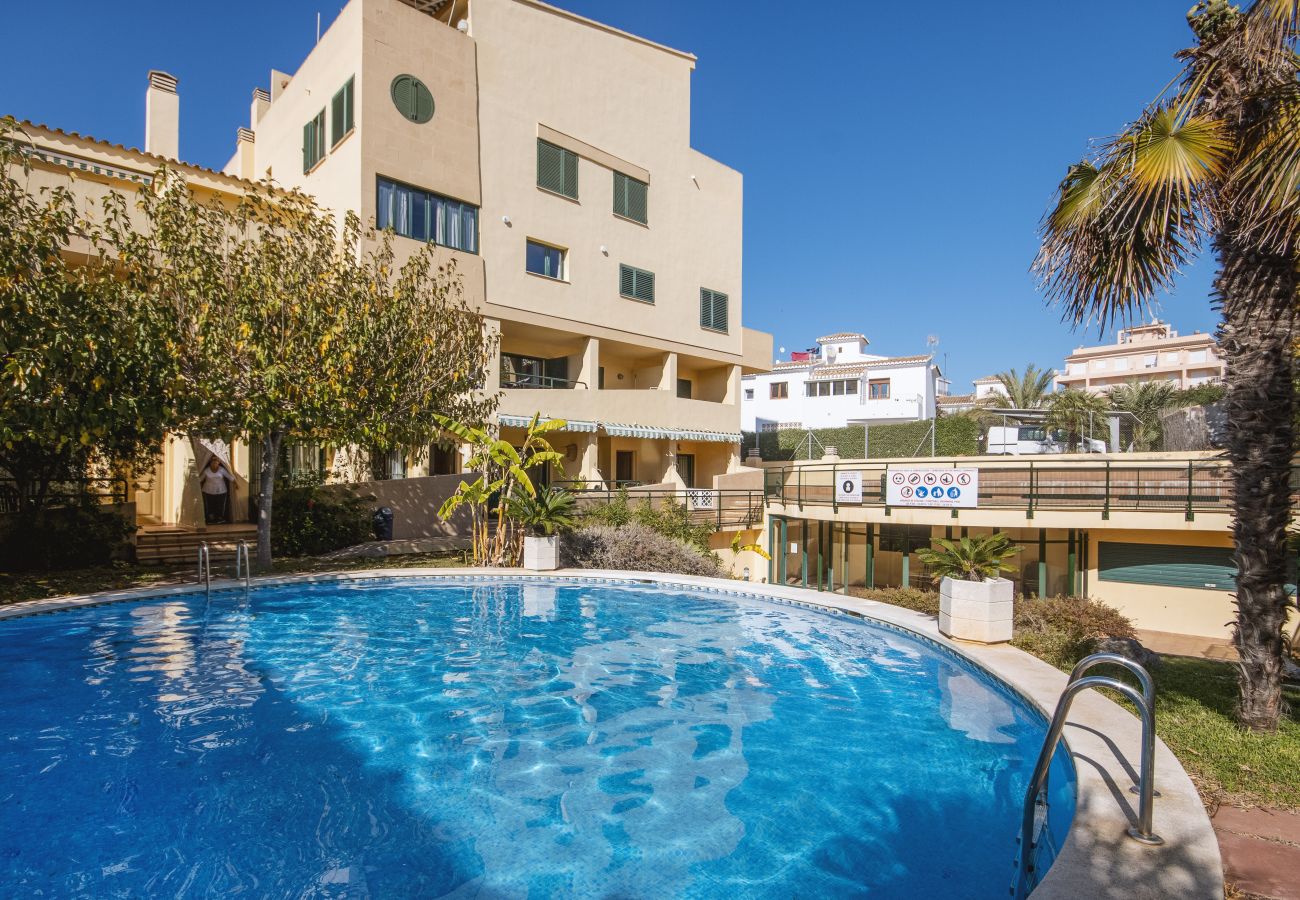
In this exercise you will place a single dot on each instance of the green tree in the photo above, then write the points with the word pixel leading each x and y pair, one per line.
pixel 293 327
pixel 1029 390
pixel 1216 156
pixel 969 559
pixel 1081 415
pixel 1145 401
pixel 87 373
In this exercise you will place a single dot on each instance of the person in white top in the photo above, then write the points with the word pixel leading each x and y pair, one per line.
pixel 214 480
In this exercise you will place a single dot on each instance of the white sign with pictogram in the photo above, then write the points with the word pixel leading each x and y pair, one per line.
pixel 947 488
pixel 848 487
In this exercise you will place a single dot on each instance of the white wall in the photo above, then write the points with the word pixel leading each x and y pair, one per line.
pixel 911 390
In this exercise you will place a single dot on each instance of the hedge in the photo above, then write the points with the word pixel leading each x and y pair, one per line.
pixel 954 436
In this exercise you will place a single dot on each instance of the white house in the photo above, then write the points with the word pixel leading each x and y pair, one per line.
pixel 839 384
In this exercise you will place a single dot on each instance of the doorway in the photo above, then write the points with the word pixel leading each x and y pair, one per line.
pixel 624 466
pixel 686 468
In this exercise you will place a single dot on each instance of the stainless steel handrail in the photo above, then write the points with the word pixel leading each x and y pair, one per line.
pixel 243 566
pixel 205 568
pixel 1036 795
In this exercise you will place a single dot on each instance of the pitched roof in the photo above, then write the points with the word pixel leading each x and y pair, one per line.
pixel 954 399
pixel 843 336
pixel 987 379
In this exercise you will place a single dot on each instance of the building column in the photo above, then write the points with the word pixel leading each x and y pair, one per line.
pixel 589 370
pixel 732 395
pixel 493 383
pixel 668 378
pixel 589 461
pixel 670 474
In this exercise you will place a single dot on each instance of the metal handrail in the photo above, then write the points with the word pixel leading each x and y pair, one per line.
pixel 1036 795
pixel 205 568
pixel 243 566
pixel 542 382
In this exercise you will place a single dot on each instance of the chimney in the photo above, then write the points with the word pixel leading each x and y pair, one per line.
pixel 261 103
pixel 244 141
pixel 162 116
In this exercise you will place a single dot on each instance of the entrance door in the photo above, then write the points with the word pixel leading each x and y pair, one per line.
pixel 686 468
pixel 624 465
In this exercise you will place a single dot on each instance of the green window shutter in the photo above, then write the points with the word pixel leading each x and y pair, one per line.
pixel 308 145
pixel 557 169
pixel 341 113
pixel 637 284
pixel 1167 565
pixel 713 310
pixel 630 198
pixel 412 98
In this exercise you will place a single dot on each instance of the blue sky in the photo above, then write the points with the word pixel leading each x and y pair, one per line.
pixel 897 156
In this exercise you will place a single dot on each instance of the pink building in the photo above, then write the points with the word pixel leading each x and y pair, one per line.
pixel 1153 352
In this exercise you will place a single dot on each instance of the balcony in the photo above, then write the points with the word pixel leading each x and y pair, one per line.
pixel 516 381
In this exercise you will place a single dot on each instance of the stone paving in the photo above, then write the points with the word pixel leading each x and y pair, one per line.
pixel 1261 851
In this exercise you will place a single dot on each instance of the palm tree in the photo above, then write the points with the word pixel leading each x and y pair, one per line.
pixel 1217 156
pixel 1027 391
pixel 1145 401
pixel 1080 414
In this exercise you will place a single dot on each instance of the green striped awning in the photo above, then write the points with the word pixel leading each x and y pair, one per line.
pixel 615 429
pixel 575 425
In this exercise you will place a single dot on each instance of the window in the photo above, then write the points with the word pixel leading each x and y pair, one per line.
pixel 629 198
pixel 1196 356
pixel 387 465
pixel 545 260
pixel 684 388
pixel 313 142
pixel 600 378
pixel 878 389
pixel 519 371
pixel 1149 361
pixel 1121 364
pixel 1101 364
pixel 713 310
pixel 412 98
pixel 424 216
pixel 1171 359
pixel 636 284
pixel 779 390
pixel 749 393
pixel 444 459
pixel 831 387
pixel 341 113
pixel 557 169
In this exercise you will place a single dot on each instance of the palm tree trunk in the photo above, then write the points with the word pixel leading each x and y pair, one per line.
pixel 1258 293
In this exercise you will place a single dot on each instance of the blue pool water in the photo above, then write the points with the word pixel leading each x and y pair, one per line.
pixel 395 738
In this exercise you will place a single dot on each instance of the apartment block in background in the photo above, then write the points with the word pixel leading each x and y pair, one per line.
pixel 548 156
pixel 1153 352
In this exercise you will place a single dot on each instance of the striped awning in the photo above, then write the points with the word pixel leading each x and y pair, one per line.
pixel 614 429
pixel 512 421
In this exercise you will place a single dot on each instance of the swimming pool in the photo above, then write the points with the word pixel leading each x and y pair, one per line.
pixel 504 738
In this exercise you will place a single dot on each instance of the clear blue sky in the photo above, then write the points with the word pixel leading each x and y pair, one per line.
pixel 896 161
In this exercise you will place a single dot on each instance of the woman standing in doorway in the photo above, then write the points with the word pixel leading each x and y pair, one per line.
pixel 215 481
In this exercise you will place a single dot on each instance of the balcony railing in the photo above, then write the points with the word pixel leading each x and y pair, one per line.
pixel 539 382
pixel 1102 487
pixel 724 509
pixel 65 493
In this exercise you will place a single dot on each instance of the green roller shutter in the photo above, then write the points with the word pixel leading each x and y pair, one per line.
pixel 557 169
pixel 630 198
pixel 713 310
pixel 1204 568
pixel 636 284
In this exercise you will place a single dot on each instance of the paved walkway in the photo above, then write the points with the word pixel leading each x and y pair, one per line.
pixel 1261 851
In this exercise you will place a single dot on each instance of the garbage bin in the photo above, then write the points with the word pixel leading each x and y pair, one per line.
pixel 383 521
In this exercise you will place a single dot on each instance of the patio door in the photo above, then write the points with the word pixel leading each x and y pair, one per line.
pixel 686 468
pixel 624 466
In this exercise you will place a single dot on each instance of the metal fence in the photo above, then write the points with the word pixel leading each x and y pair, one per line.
pixel 64 493
pixel 1103 486
pixel 725 509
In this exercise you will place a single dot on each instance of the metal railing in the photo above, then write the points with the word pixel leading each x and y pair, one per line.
pixel 243 567
pixel 61 493
pixel 1105 486
pixel 205 568
pixel 539 382
pixel 1034 817
pixel 724 508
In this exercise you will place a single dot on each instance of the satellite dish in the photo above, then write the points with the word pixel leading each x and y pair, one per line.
pixel 781 350
pixel 932 340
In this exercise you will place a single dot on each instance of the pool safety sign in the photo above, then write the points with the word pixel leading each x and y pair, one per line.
pixel 848 487
pixel 949 488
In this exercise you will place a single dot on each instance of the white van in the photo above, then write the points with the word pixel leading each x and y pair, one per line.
pixel 1031 440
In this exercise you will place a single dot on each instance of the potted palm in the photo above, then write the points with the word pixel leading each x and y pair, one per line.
pixel 543 516
pixel 975 603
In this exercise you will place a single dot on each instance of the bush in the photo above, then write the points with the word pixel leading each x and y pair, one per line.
pixel 909 598
pixel 668 518
pixel 1063 630
pixel 634 547
pixel 955 436
pixel 310 520
pixel 71 537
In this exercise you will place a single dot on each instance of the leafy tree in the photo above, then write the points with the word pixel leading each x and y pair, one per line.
pixel 1080 414
pixel 969 559
pixel 1145 401
pixel 293 327
pixel 1215 156
pixel 87 373
pixel 1029 390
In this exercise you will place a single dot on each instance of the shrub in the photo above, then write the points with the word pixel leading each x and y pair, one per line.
pixel 909 598
pixel 634 547
pixel 954 436
pixel 71 537
pixel 668 518
pixel 1063 630
pixel 310 520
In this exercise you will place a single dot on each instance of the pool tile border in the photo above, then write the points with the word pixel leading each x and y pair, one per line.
pixel 1098 860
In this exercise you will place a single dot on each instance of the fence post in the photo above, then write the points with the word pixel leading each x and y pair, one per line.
pixel 1105 507
pixel 1029 513
pixel 1189 515
pixel 800 471
pixel 835 489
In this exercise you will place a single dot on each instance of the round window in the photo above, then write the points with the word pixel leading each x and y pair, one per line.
pixel 412 98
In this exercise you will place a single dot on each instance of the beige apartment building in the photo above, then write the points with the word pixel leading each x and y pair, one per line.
pixel 1153 352
pixel 549 157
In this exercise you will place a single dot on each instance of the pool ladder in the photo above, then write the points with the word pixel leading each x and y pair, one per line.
pixel 243 567
pixel 1034 820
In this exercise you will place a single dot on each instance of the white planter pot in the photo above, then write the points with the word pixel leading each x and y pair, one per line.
pixel 542 554
pixel 979 611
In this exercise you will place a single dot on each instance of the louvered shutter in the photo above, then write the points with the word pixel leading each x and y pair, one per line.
pixel 629 198
pixel 636 283
pixel 423 103
pixel 404 95
pixel 341 113
pixel 713 310
pixel 308 145
pixel 627 281
pixel 557 169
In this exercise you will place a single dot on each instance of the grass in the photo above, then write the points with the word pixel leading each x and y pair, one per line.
pixel 15 588
pixel 1194 707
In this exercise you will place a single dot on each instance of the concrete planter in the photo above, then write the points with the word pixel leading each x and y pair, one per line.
pixel 542 554
pixel 978 611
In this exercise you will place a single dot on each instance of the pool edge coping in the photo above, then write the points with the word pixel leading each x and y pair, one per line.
pixel 1097 858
